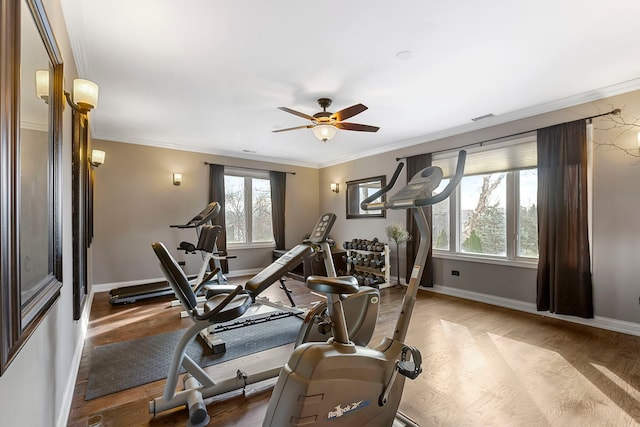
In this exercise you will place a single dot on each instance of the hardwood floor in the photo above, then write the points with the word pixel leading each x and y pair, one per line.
pixel 482 366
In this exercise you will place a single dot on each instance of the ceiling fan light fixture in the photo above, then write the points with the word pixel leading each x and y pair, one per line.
pixel 324 132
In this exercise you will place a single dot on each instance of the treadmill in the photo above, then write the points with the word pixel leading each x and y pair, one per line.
pixel 131 294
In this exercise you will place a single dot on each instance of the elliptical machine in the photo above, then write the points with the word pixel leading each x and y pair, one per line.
pixel 338 383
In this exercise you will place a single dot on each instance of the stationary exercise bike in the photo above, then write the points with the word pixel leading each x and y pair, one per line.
pixel 338 383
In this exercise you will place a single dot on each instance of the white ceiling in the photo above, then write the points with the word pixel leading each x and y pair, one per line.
pixel 208 75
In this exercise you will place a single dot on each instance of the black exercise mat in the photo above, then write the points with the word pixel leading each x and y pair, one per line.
pixel 122 365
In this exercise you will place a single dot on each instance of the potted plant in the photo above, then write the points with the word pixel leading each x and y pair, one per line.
pixel 400 235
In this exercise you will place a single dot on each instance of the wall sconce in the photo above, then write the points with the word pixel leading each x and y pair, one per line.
pixel 42 85
pixel 177 178
pixel 97 158
pixel 85 96
pixel 335 187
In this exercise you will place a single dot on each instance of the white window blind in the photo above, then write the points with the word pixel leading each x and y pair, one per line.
pixel 515 154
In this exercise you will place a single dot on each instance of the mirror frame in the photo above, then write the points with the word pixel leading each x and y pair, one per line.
pixel 353 190
pixel 82 209
pixel 18 322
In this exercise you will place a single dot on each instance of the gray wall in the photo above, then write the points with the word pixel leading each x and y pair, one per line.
pixel 616 235
pixel 136 201
pixel 615 239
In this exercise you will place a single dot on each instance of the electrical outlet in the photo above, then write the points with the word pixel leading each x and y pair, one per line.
pixel 182 263
pixel 455 273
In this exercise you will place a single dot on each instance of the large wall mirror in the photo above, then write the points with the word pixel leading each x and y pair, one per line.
pixel 30 212
pixel 359 190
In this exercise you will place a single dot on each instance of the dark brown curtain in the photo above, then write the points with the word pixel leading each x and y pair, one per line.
pixel 278 194
pixel 414 165
pixel 216 194
pixel 564 266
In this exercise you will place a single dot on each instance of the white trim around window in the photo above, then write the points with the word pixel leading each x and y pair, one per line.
pixel 515 201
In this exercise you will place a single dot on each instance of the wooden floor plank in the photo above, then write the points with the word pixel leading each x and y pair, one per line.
pixel 483 365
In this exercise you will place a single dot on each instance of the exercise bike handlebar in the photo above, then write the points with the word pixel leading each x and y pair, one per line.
pixel 462 157
pixel 412 202
pixel 367 204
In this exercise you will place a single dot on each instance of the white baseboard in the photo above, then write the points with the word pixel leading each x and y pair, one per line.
pixel 597 322
pixel 67 400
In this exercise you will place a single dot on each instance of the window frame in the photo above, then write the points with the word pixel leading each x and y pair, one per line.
pixel 248 176
pixel 511 257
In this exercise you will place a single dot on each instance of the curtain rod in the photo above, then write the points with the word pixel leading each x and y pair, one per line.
pixel 615 111
pixel 253 169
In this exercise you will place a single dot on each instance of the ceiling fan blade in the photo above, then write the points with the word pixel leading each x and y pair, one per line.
pixel 298 113
pixel 356 126
pixel 348 112
pixel 297 127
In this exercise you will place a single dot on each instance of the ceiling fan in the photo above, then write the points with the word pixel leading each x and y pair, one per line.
pixel 326 124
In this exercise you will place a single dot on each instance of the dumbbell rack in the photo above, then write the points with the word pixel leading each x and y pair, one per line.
pixel 370 262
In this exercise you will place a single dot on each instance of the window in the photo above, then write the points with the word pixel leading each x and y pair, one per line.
pixel 528 213
pixel 483 214
pixel 248 207
pixel 493 213
pixel 440 221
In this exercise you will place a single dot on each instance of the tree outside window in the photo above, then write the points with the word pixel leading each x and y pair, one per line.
pixel 528 214
pixel 482 225
pixel 440 220
pixel 483 216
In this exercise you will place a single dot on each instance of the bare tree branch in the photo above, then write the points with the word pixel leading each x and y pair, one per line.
pixel 623 126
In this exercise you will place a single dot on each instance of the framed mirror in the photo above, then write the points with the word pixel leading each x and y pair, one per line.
pixel 359 190
pixel 30 158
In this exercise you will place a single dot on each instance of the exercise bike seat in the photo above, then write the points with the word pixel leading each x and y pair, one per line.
pixel 219 308
pixel 333 285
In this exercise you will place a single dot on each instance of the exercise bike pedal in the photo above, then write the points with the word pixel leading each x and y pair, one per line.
pixel 410 368
pixel 324 327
